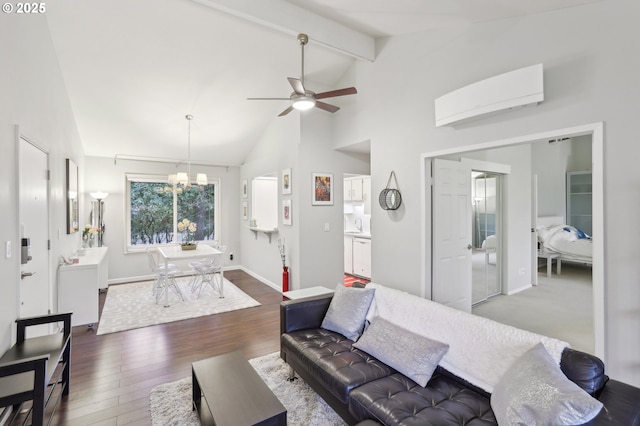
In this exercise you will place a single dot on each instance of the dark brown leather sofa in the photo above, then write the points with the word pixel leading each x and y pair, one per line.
pixel 360 388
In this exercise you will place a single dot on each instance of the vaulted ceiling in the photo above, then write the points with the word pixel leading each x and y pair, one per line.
pixel 134 69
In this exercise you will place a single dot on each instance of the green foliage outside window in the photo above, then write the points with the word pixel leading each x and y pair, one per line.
pixel 152 214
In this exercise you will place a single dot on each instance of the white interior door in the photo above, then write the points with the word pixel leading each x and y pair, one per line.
pixel 34 291
pixel 452 231
pixel 534 229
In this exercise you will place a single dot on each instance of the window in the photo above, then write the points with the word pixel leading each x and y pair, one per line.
pixel 154 209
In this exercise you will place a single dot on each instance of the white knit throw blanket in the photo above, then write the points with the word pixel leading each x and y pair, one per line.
pixel 480 349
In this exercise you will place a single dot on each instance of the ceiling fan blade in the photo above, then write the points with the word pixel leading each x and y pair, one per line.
pixel 286 111
pixel 326 107
pixel 339 92
pixel 267 99
pixel 297 86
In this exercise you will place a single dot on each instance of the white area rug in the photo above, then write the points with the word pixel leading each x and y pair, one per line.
pixel 171 402
pixel 130 306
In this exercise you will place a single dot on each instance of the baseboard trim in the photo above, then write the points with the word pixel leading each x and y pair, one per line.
pixel 261 278
pixel 519 289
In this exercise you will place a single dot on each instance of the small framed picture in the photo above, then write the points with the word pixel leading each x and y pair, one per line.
pixel 245 190
pixel 286 212
pixel 245 211
pixel 322 189
pixel 286 181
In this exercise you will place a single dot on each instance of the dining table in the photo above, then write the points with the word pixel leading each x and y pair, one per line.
pixel 173 253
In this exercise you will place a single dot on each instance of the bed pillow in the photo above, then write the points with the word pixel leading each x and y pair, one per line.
pixel 347 311
pixel 413 355
pixel 535 391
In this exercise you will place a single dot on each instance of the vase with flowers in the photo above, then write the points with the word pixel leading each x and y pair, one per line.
pixel 188 229
pixel 89 235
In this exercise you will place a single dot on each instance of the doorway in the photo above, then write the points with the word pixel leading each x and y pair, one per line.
pixel 35 294
pixel 510 240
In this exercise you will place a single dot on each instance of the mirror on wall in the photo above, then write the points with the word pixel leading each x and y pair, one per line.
pixel 264 201
pixel 485 194
pixel 72 197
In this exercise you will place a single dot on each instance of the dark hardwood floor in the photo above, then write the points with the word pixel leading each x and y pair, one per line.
pixel 112 374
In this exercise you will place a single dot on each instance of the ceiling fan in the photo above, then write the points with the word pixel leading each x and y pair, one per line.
pixel 303 99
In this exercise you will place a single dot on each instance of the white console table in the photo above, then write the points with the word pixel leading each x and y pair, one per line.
pixel 80 283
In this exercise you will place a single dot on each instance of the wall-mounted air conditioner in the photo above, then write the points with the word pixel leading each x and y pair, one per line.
pixel 513 89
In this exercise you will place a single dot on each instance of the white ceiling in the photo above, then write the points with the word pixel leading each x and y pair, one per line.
pixel 134 69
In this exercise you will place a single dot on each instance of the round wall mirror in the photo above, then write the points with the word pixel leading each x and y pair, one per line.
pixel 390 199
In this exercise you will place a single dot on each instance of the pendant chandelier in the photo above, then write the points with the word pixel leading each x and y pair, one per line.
pixel 182 178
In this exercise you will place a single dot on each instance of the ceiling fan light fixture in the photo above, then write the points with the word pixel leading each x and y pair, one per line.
pixel 302 102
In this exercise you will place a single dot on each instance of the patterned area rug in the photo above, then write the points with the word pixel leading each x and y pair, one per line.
pixel 171 402
pixel 130 306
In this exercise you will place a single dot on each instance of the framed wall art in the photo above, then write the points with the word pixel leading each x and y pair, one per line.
pixel 245 189
pixel 286 181
pixel 245 211
pixel 286 212
pixel 322 189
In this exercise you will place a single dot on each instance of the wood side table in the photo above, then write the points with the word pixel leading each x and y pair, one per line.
pixel 227 391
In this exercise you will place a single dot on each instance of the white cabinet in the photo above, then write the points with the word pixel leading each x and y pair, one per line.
pixel 80 283
pixel 579 200
pixel 358 189
pixel 348 255
pixel 366 194
pixel 353 189
pixel 362 257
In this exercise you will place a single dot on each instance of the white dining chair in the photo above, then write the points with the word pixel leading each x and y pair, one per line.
pixel 165 277
pixel 210 273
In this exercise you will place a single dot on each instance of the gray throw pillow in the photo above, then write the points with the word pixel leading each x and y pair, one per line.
pixel 413 355
pixel 534 391
pixel 347 311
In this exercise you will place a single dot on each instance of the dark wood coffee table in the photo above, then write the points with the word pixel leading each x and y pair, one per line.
pixel 228 391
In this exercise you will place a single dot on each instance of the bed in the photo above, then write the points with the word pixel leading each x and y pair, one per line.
pixel 570 243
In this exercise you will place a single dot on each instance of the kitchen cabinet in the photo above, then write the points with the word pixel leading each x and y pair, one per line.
pixel 80 283
pixel 348 255
pixel 358 189
pixel 366 194
pixel 362 257
pixel 353 189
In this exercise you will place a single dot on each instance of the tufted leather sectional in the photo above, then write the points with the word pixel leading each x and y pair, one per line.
pixel 361 388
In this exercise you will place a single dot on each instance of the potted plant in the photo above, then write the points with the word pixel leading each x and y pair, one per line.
pixel 188 230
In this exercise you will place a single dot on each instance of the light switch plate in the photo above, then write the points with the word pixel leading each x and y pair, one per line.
pixel 326 227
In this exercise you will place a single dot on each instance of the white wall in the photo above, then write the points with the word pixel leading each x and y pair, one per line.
pixel 105 174
pixel 275 151
pixel 590 76
pixel 33 97
pixel 322 251
pixel 302 142
pixel 264 201
pixel 551 162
